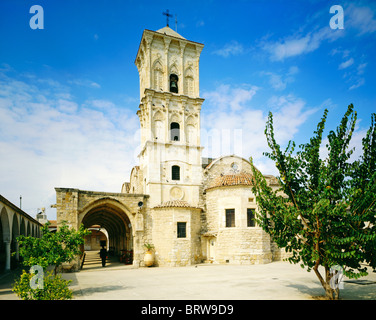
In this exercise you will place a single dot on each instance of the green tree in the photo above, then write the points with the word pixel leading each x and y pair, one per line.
pixel 325 209
pixel 53 248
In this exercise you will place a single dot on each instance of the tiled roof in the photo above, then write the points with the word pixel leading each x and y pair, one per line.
pixel 53 223
pixel 224 180
pixel 175 203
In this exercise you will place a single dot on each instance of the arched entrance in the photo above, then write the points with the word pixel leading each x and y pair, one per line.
pixel 112 216
pixel 96 239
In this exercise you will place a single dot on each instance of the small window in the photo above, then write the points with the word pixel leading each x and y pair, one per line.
pixel 175 173
pixel 174 83
pixel 175 131
pixel 230 218
pixel 250 217
pixel 182 229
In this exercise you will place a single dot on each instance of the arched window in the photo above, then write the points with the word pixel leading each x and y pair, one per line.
pixel 174 83
pixel 175 131
pixel 175 173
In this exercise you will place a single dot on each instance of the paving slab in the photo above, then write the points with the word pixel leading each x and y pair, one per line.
pixel 273 281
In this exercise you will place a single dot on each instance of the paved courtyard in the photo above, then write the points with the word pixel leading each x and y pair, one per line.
pixel 274 281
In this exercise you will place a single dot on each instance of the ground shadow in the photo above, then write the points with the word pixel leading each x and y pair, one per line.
pixel 102 289
pixel 353 291
pixel 350 291
pixel 312 292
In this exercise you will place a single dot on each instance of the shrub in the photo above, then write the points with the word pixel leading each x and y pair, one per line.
pixel 53 288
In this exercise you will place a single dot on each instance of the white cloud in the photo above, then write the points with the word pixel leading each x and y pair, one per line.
pixel 278 81
pixel 352 75
pixel 360 69
pixel 232 48
pixel 85 83
pixel 360 18
pixel 101 104
pixel 343 52
pixel 227 130
pixel 298 44
pixel 293 70
pixel 49 140
pixel 67 106
pixel 226 96
pixel 288 48
pixel 346 64
pixel 289 114
pixel 358 84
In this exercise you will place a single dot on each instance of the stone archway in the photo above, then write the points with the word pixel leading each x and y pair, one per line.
pixel 111 215
pixel 120 214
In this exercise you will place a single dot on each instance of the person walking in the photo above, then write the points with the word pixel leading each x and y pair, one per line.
pixel 103 255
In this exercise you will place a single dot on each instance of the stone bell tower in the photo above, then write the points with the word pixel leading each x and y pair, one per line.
pixel 169 112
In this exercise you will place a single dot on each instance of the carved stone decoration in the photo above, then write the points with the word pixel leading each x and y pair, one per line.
pixel 176 193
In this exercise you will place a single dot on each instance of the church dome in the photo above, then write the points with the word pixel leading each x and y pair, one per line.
pixel 235 179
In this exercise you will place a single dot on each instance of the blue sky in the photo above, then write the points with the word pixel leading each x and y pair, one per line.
pixel 69 93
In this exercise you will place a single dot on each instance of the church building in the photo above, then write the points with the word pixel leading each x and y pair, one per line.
pixel 191 209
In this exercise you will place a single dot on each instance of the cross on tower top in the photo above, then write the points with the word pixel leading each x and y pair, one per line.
pixel 168 15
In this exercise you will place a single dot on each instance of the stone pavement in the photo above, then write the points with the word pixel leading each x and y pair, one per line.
pixel 273 281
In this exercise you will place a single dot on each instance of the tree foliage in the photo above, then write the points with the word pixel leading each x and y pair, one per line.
pixel 53 248
pixel 54 288
pixel 324 212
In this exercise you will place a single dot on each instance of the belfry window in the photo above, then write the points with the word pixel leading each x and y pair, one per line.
pixel 174 83
pixel 175 131
pixel 175 173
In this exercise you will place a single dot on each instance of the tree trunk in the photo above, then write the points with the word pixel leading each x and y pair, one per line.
pixel 330 293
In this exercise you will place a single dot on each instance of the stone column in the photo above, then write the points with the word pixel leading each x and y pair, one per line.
pixel 7 253
pixel 17 251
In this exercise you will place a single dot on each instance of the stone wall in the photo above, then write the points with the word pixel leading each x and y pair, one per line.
pixel 169 249
pixel 243 246
pixel 71 203
pixel 239 244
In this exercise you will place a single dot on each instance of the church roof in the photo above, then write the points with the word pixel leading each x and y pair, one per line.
pixel 176 204
pixel 224 180
pixel 168 31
